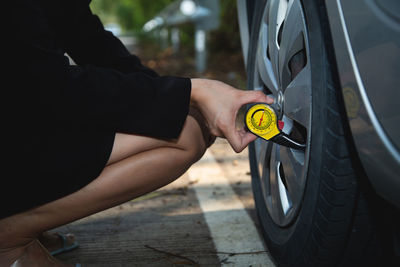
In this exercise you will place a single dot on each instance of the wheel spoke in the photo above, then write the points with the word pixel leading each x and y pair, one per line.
pixel 263 163
pixel 264 65
pixel 267 11
pixel 292 40
pixel 261 152
pixel 293 171
pixel 286 201
pixel 274 197
pixel 276 17
pixel 298 98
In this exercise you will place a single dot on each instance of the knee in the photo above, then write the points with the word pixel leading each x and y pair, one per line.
pixel 195 150
pixel 198 151
pixel 194 143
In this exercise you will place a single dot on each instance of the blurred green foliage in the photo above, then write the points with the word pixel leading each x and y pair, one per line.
pixel 131 15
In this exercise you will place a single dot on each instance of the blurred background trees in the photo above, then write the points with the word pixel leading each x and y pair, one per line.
pixel 131 15
pixel 225 61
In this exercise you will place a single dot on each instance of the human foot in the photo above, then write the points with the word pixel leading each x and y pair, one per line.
pixel 34 254
pixel 57 243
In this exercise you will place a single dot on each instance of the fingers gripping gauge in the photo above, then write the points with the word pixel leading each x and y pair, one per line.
pixel 262 121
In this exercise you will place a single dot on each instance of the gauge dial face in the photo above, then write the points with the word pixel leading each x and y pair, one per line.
pixel 261 120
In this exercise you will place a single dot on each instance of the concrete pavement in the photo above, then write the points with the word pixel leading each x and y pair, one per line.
pixel 204 218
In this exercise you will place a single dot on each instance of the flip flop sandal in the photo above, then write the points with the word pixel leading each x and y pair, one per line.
pixel 65 246
pixel 35 243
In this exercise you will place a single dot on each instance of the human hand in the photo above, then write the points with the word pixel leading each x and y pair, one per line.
pixel 219 103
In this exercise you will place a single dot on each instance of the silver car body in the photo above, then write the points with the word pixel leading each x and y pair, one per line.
pixel 366 41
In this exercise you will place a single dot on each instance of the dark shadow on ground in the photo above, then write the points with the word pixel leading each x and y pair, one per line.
pixel 163 228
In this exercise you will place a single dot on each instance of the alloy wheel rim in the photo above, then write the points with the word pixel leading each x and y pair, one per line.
pixel 282 69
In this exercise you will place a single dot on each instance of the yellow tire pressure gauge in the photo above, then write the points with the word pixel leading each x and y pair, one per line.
pixel 262 121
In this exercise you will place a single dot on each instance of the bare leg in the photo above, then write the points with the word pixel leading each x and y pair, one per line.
pixel 137 166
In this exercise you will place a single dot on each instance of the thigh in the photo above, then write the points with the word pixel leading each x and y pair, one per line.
pixel 126 145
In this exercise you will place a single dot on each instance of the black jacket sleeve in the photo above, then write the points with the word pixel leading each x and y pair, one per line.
pixel 109 88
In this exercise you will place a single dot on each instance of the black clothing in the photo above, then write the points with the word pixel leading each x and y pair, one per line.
pixel 81 107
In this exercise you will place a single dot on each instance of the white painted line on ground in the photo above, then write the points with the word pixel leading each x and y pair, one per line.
pixel 231 227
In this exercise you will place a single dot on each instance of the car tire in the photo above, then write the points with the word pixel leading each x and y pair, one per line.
pixel 333 223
